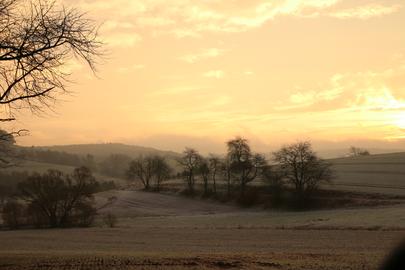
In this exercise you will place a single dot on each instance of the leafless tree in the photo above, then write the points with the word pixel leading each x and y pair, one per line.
pixel 302 168
pixel 214 166
pixel 60 199
pixel 204 170
pixel 245 164
pixel 161 170
pixel 36 42
pixel 8 153
pixel 356 152
pixel 38 38
pixel 226 169
pixel 190 162
pixel 141 169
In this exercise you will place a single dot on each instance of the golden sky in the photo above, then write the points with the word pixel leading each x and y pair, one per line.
pixel 196 73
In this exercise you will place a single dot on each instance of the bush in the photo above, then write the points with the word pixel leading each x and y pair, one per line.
pixel 35 216
pixel 249 198
pixel 84 215
pixel 13 213
pixel 110 220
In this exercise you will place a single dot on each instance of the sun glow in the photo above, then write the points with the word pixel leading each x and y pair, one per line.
pixel 400 120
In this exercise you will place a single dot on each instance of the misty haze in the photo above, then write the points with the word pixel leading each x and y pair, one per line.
pixel 149 134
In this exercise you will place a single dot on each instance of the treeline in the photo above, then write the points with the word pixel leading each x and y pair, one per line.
pixel 294 169
pixel 113 165
pixel 52 157
pixel 52 199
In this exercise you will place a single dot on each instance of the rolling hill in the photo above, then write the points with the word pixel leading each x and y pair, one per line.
pixel 375 173
pixel 104 150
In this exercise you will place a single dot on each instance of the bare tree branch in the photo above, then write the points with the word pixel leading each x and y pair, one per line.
pixel 36 43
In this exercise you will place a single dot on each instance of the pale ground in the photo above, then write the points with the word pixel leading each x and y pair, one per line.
pixel 156 230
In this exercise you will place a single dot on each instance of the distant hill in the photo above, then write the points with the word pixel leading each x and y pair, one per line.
pixel 383 173
pixel 103 150
pixel 343 152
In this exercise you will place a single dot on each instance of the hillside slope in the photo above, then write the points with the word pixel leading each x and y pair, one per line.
pixel 375 173
pixel 103 150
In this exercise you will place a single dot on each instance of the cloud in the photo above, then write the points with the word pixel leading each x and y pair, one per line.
pixel 187 18
pixel 207 53
pixel 366 91
pixel 193 19
pixel 217 74
pixel 366 12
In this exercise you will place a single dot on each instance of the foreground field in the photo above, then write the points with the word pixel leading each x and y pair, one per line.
pixel 190 248
pixel 158 231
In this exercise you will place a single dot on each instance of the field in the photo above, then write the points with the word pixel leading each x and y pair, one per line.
pixel 384 173
pixel 162 231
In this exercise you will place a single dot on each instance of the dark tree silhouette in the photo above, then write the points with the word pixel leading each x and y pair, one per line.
pixel 204 170
pixel 60 199
pixel 161 170
pixel 226 170
pixel 243 163
pixel 302 168
pixel 356 152
pixel 141 169
pixel 37 39
pixel 190 162
pixel 214 166
pixel 6 149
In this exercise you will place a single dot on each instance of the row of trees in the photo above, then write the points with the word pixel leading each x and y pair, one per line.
pixel 53 199
pixel 152 171
pixel 295 165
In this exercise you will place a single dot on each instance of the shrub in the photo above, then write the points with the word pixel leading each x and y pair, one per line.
pixel 110 220
pixel 84 214
pixel 13 213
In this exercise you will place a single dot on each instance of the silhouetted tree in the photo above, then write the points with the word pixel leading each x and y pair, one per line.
pixel 243 163
pixel 161 170
pixel 274 178
pixel 13 214
pixel 204 170
pixel 63 200
pixel 356 152
pixel 37 39
pixel 226 170
pixel 190 162
pixel 214 166
pixel 302 168
pixel 141 169
pixel 6 149
pixel 110 220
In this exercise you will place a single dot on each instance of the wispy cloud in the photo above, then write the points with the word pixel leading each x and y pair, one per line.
pixel 366 11
pixel 193 19
pixel 207 53
pixel 369 90
pixel 217 74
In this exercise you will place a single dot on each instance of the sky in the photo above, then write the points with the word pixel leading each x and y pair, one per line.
pixel 196 73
